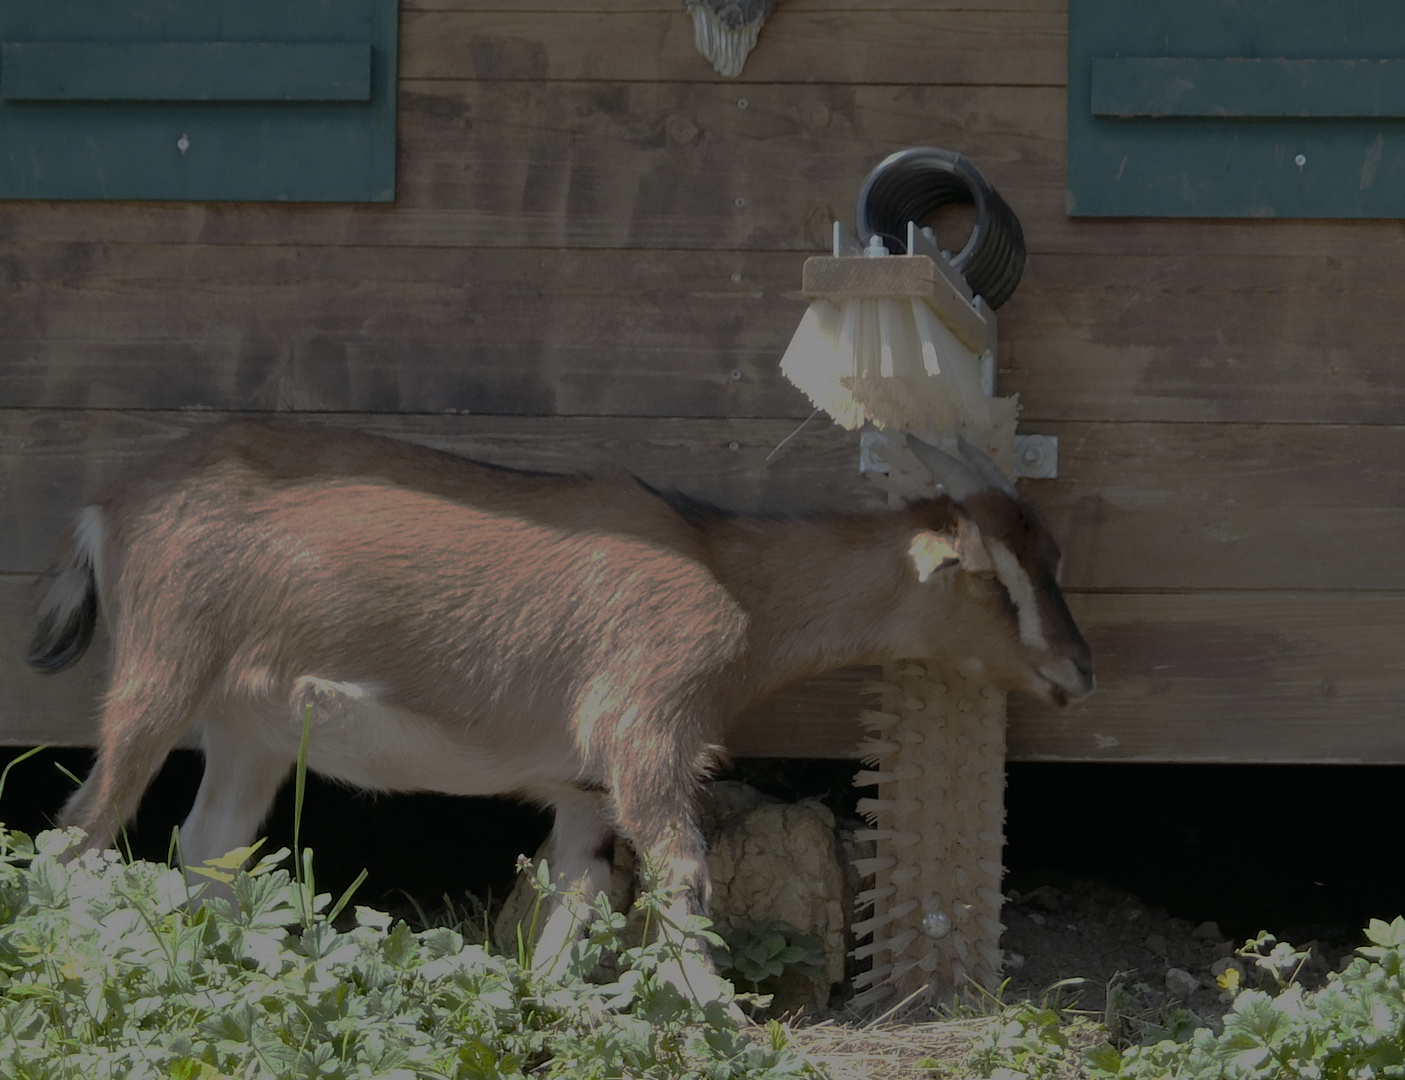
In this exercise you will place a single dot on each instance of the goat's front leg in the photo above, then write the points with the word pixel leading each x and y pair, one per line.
pixel 579 855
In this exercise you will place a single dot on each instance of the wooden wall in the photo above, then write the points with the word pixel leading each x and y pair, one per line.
pixel 594 256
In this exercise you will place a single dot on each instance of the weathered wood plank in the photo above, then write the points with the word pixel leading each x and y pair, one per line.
pixel 1228 506
pixel 645 165
pixel 1137 507
pixel 618 332
pixel 1214 677
pixel 51 463
pixel 620 165
pixel 661 333
pixel 1019 48
pixel 1183 338
pixel 661 166
pixel 1233 677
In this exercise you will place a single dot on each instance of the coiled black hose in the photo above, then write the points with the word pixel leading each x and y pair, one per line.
pixel 912 184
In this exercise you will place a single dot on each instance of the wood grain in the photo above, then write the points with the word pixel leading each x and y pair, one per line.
pixel 1212 677
pixel 1137 507
pixel 924 46
pixel 661 165
pixel 366 329
pixel 619 332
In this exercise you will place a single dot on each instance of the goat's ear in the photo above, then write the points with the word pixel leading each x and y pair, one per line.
pixel 932 551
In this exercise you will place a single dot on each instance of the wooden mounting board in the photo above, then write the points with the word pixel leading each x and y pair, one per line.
pixel 1204 677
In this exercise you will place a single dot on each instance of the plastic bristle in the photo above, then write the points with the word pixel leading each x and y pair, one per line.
pixel 894 776
pixel 868 926
pixel 960 944
pixel 898 945
pixel 872 751
pixel 906 874
pixel 901 969
pixel 871 808
pixel 869 867
pixel 869 897
pixel 990 955
pixel 913 669
pixel 863 952
pixel 991 897
pixel 993 927
pixel 872 975
pixel 875 687
pixel 897 837
pixel 991 867
pixel 876 996
pixel 877 721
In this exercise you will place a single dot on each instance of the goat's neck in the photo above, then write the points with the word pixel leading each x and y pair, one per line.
pixel 820 593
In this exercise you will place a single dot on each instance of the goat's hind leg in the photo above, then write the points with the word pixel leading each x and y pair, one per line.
pixel 579 855
pixel 148 710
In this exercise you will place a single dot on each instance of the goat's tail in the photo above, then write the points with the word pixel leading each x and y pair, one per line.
pixel 69 613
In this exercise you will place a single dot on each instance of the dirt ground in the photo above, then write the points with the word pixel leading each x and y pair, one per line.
pixel 1125 965
pixel 1109 938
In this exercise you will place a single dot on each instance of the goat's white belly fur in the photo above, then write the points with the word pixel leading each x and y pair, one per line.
pixel 356 738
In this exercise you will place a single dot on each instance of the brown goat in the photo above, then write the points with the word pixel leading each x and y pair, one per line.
pixel 455 627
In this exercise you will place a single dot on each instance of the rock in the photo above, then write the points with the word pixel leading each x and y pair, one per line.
pixel 1223 949
pixel 1207 931
pixel 779 862
pixel 1013 961
pixel 1182 983
pixel 1156 944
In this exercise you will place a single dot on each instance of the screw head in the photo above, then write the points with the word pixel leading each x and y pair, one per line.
pixel 742 103
pixel 736 375
pixel 183 143
pixel 734 445
pixel 1300 160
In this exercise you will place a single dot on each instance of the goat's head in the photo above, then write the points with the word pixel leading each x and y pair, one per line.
pixel 994 551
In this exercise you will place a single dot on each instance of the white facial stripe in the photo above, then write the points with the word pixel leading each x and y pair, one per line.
pixel 1021 591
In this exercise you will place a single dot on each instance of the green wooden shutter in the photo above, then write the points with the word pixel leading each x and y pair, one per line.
pixel 198 99
pixel 1236 108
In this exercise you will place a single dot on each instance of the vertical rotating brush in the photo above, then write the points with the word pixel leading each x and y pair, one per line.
pixel 936 749
pixel 901 337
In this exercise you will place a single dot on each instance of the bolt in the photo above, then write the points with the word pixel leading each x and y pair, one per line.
pixel 739 202
pixel 1033 455
pixel 736 375
pixel 1300 161
pixel 742 103
pixel 936 924
pixel 183 143
pixel 734 445
pixel 736 277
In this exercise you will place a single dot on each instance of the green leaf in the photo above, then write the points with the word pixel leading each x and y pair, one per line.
pixel 1389 935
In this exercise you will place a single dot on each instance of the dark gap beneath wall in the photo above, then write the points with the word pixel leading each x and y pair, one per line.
pixel 1306 852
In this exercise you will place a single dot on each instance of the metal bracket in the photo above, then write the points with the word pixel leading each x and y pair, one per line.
pixel 1036 457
